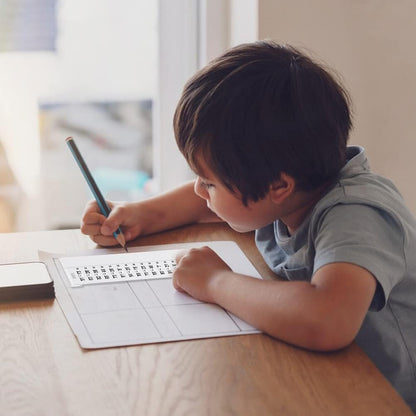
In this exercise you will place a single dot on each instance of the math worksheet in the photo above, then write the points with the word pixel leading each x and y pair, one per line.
pixel 112 298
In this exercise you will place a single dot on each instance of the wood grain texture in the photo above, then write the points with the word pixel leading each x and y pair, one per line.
pixel 43 371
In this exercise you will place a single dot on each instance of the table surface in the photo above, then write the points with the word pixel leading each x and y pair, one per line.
pixel 43 370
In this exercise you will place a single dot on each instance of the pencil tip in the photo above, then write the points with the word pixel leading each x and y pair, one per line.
pixel 121 240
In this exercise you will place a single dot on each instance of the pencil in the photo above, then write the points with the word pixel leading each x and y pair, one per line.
pixel 104 208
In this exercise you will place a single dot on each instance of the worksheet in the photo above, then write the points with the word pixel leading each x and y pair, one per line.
pixel 112 298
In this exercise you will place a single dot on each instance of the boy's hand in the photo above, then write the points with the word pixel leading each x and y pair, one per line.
pixel 100 228
pixel 197 271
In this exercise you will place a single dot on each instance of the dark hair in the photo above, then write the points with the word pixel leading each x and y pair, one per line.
pixel 259 110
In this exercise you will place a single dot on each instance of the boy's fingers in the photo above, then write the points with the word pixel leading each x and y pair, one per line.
pixel 109 226
pixel 113 221
pixel 177 287
pixel 101 228
pixel 91 223
pixel 93 218
pixel 103 240
pixel 180 254
pixel 92 230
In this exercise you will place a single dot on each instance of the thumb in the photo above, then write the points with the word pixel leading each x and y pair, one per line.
pixel 112 222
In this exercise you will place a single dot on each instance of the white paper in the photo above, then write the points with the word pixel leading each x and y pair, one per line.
pixel 106 314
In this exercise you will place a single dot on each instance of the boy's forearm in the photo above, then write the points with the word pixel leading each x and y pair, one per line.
pixel 295 312
pixel 263 304
pixel 174 208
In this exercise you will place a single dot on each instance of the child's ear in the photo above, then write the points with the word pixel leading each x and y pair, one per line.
pixel 282 188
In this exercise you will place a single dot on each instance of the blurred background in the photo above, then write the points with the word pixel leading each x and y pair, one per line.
pixel 81 69
pixel 110 73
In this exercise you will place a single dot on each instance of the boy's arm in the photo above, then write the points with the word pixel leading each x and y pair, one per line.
pixel 324 314
pixel 169 210
pixel 174 208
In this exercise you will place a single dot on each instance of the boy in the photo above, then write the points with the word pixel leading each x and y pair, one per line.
pixel 265 130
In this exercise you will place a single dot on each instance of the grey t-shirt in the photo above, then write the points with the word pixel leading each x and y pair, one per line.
pixel 361 220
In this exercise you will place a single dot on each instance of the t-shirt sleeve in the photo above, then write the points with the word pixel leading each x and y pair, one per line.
pixel 367 237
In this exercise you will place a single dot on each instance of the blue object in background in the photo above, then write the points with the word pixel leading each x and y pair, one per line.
pixel 119 180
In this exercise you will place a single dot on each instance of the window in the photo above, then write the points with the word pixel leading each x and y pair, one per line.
pixel 110 75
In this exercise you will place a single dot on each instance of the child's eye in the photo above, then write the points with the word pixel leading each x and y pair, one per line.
pixel 207 185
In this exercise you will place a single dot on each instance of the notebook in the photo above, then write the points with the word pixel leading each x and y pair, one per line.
pixel 112 298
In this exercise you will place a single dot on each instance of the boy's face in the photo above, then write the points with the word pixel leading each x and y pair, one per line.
pixel 229 207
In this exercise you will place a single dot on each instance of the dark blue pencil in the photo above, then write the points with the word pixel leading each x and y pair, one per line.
pixel 105 209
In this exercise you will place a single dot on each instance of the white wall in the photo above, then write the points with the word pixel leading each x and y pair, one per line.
pixel 372 44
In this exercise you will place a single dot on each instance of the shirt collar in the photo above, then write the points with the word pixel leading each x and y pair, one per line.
pixel 357 162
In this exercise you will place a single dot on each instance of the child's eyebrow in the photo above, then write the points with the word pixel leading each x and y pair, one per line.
pixel 206 181
pixel 205 177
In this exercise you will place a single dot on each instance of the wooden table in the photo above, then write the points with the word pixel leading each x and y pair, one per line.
pixel 43 371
